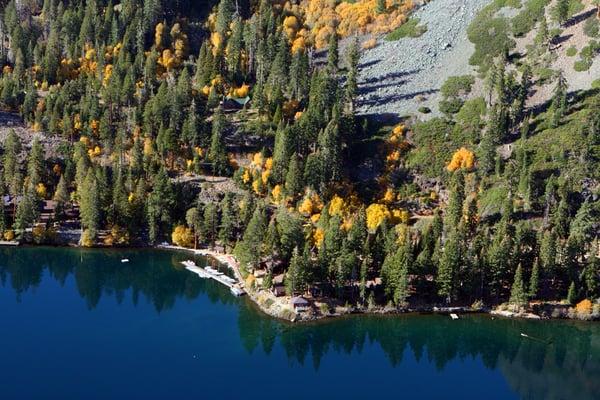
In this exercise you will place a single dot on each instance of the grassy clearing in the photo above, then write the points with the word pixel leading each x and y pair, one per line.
pixel 409 29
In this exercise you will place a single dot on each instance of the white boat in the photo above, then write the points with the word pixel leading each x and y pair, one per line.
pixel 125 260
pixel 453 316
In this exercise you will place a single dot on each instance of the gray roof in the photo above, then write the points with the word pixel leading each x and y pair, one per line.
pixel 299 301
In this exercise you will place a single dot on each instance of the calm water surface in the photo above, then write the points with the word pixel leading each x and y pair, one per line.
pixel 80 324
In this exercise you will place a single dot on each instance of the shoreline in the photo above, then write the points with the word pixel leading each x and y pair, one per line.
pixel 280 307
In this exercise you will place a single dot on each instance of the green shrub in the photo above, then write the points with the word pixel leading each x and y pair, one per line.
pixel 588 53
pixel 545 75
pixel 592 27
pixel 525 21
pixel 451 106
pixel 596 84
pixel 581 65
pixel 490 37
pixel 575 6
pixel 424 110
pixel 456 86
pixel 470 121
pixel 453 91
pixel 572 51
pixel 410 28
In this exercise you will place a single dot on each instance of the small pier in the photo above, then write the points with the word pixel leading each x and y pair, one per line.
pixel 211 273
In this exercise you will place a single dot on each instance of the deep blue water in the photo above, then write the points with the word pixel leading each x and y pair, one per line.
pixel 80 324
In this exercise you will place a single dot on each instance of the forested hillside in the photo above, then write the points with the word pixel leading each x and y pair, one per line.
pixel 234 127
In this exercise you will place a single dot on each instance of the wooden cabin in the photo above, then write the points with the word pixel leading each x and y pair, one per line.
pixel 300 303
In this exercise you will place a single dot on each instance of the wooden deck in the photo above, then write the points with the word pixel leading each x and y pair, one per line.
pixel 210 273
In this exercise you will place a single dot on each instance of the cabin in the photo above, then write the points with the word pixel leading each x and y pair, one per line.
pixel 231 103
pixel 278 291
pixel 300 303
pixel 278 279
pixel 48 211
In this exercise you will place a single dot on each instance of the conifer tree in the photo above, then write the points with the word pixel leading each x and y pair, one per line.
pixel 217 154
pixel 333 53
pixel 534 280
pixel 27 211
pixel 225 14
pixel 448 267
pixel 454 211
pixel 293 178
pixel 353 57
pixel 395 273
pixel 518 295
pixel 572 294
pixel 590 274
pixel 295 280
pixel 562 11
pixel 228 220
pixel 559 100
pixel 249 249
pixel 89 205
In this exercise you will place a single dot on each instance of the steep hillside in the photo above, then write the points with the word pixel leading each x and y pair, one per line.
pixel 398 77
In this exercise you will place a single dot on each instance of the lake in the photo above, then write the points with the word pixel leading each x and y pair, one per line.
pixel 80 324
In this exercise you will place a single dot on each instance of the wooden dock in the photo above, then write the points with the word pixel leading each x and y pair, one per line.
pixel 211 273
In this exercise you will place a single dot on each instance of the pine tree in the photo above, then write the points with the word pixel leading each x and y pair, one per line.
pixel 89 205
pixel 454 211
pixel 291 234
pixel 193 218
pixel 449 266
pixel 293 178
pixel 331 153
pixel 561 217
pixel 562 11
pixel 542 36
pixel 210 223
pixel 353 57
pixel 249 249
pixel 518 296
pixel 217 154
pixel 333 53
pixel 534 280
pixel 234 50
pixel 27 211
pixel 295 280
pixel 380 7
pixel 158 205
pixel 35 165
pixel 225 14
pixel 559 100
pixel 228 220
pixel 590 276
pixel 548 251
pixel 572 294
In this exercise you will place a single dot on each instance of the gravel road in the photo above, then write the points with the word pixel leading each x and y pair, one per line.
pixel 396 78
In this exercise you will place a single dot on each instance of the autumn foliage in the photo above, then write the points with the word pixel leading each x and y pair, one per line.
pixel 463 158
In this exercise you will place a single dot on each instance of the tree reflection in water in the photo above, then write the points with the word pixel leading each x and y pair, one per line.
pixel 563 363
